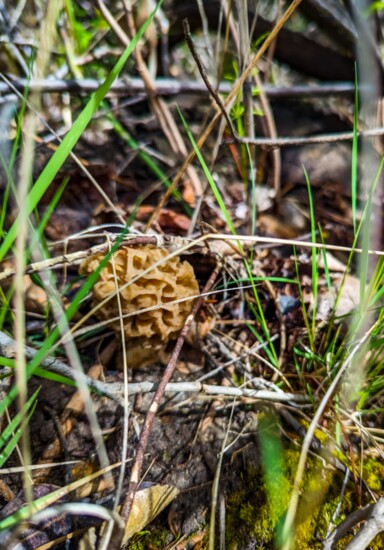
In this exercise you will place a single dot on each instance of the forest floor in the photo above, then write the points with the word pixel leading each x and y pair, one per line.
pixel 200 341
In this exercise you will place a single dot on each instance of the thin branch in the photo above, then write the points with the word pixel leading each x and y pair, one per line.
pixel 223 391
pixel 181 245
pixel 159 106
pixel 115 390
pixel 272 133
pixel 76 257
pixel 51 364
pixel 373 526
pixel 153 409
pixel 204 76
pixel 321 138
pixel 235 90
pixel 169 86
pixel 372 514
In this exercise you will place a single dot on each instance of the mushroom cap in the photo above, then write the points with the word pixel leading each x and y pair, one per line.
pixel 155 291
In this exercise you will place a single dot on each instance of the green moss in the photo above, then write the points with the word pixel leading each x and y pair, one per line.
pixel 373 474
pixel 157 538
pixel 322 436
pixel 256 509
pixel 377 543
pixel 254 512
pixel 139 543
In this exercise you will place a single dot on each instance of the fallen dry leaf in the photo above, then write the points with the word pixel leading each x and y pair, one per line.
pixel 347 302
pixel 333 264
pixel 147 505
pixel 189 194
pixel 167 219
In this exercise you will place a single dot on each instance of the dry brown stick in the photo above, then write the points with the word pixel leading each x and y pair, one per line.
pixel 275 31
pixel 147 428
pixel 219 103
pixel 51 364
pixel 180 245
pixel 372 514
pixel 158 105
pixel 204 76
pixel 272 132
pixel 163 112
pixel 210 390
pixel 320 138
pixel 268 114
pixel 115 390
pixel 372 527
pixel 76 257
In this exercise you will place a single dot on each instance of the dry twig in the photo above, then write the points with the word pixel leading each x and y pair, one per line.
pixel 373 515
pixel 50 364
pixel 114 390
pixel 147 428
pixel 166 86
pixel 180 245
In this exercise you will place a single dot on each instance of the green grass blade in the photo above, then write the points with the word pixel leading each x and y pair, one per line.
pixel 223 208
pixel 355 154
pixel 325 261
pixel 50 341
pixel 315 271
pixel 11 434
pixel 276 482
pixel 301 296
pixel 158 172
pixel 209 177
pixel 48 213
pixel 366 237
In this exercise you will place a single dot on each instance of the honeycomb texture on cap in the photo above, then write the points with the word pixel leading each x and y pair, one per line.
pixel 171 280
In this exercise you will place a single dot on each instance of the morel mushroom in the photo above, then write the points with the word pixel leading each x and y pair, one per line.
pixel 164 284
